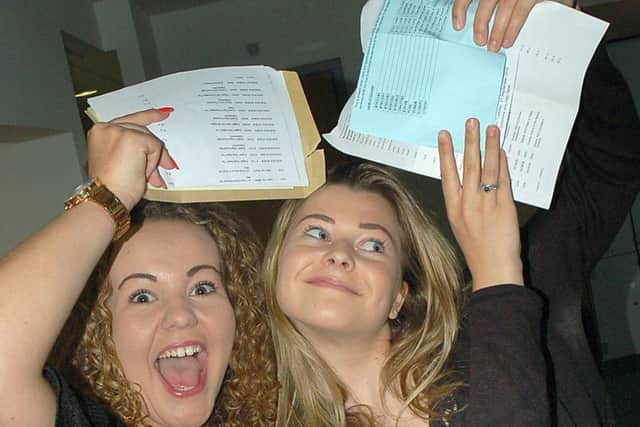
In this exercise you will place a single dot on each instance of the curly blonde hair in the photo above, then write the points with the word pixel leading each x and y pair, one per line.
pixel 422 337
pixel 249 392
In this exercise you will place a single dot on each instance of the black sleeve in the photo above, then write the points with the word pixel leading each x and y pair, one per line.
pixel 500 348
pixel 600 178
pixel 595 191
pixel 73 409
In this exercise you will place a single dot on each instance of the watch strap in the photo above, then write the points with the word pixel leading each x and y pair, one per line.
pixel 95 191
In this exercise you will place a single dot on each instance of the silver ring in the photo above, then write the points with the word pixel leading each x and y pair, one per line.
pixel 488 187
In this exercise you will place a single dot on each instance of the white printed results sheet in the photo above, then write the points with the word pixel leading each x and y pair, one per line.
pixel 541 93
pixel 538 103
pixel 231 127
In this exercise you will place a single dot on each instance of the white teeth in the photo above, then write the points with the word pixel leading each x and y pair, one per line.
pixel 187 351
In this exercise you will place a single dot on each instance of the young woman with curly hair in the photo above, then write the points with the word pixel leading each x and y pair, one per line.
pixel 175 336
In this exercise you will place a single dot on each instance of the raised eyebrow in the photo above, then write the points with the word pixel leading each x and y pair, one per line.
pixel 375 226
pixel 321 217
pixel 145 276
pixel 193 270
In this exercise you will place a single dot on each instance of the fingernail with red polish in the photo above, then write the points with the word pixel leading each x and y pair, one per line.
pixel 166 109
pixel 173 162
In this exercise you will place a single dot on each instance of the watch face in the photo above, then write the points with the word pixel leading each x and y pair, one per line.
pixel 81 189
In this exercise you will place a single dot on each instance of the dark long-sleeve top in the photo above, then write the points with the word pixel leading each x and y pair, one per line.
pixel 500 351
pixel 76 410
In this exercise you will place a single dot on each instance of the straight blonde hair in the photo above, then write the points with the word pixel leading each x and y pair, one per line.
pixel 422 336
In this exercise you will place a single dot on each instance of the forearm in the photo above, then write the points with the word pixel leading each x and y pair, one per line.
pixel 40 281
pixel 508 377
pixel 606 137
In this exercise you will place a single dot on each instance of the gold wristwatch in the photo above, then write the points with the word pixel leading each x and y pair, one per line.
pixel 95 191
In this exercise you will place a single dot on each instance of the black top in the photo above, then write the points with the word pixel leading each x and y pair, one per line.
pixel 75 410
pixel 500 353
pixel 595 191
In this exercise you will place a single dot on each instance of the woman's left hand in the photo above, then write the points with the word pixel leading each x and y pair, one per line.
pixel 509 19
pixel 481 209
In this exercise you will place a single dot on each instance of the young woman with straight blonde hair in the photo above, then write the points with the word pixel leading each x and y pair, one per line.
pixel 494 374
pixel 365 298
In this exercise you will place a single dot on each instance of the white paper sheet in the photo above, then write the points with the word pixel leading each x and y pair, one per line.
pixel 232 126
pixel 538 104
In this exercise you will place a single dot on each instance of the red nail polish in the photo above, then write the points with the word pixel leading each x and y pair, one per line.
pixel 173 162
pixel 166 109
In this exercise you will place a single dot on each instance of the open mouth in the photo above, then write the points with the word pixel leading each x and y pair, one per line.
pixel 182 369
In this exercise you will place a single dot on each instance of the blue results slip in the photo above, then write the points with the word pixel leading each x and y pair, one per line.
pixel 419 75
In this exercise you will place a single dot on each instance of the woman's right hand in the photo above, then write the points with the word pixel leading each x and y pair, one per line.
pixel 125 155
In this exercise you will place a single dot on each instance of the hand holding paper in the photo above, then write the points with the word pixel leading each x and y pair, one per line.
pixel 475 214
pixel 238 133
pixel 496 23
pixel 508 18
pixel 537 106
pixel 125 155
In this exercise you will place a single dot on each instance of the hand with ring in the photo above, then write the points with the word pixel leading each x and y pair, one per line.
pixel 488 187
pixel 481 209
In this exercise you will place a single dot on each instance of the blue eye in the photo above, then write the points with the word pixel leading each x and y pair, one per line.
pixel 203 288
pixel 142 296
pixel 317 232
pixel 373 245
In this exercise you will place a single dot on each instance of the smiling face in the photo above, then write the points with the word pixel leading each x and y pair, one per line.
pixel 340 266
pixel 173 325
